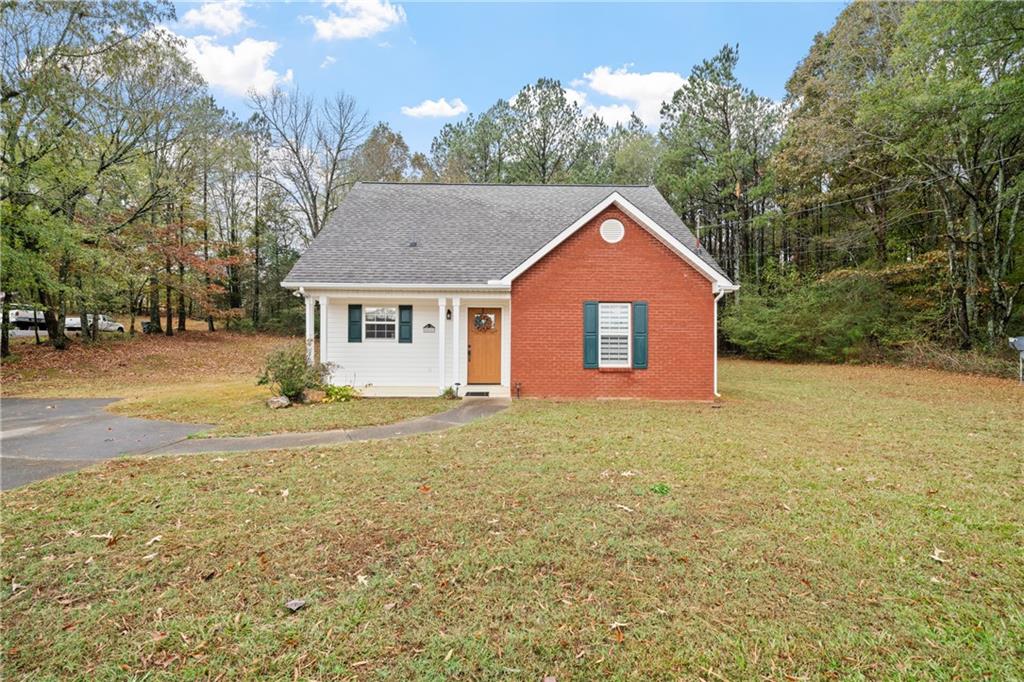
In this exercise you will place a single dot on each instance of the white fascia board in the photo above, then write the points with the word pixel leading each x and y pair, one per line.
pixel 492 285
pixel 680 249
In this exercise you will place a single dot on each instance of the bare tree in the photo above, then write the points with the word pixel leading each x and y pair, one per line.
pixel 313 145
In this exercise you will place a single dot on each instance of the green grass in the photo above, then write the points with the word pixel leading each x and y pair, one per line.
pixel 786 535
pixel 238 408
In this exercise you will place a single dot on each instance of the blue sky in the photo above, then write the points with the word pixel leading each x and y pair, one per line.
pixel 420 65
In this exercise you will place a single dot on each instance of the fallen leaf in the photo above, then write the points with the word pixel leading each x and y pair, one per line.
pixel 156 538
pixel 936 555
pixel 449 655
pixel 284 493
pixel 424 488
pixel 625 508
pixel 150 557
pixel 294 605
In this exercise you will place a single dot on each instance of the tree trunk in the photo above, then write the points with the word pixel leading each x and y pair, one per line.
pixel 256 258
pixel 170 305
pixel 131 310
pixel 83 316
pixel 181 297
pixel 206 250
pixel 154 304
pixel 35 325
pixel 5 324
pixel 53 315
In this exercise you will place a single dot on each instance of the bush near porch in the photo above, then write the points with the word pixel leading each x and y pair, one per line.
pixel 825 522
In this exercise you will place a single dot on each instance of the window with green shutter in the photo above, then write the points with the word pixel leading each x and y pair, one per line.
pixel 405 324
pixel 639 335
pixel 355 323
pixel 590 335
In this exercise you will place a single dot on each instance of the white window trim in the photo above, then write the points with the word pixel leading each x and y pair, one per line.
pixel 629 337
pixel 366 337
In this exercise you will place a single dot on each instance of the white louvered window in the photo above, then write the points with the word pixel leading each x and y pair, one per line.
pixel 613 334
pixel 381 323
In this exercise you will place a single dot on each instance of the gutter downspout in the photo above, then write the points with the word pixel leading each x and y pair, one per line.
pixel 715 338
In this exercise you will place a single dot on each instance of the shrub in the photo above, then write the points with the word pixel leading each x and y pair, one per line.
pixel 450 393
pixel 851 317
pixel 341 394
pixel 287 373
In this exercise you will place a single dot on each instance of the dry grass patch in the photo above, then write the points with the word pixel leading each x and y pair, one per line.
pixel 197 378
pixel 238 408
pixel 124 366
pixel 827 522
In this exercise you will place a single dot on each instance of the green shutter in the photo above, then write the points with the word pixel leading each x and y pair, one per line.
pixel 639 335
pixel 405 324
pixel 355 323
pixel 590 335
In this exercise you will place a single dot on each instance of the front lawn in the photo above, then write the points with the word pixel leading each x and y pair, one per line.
pixel 238 408
pixel 198 378
pixel 826 522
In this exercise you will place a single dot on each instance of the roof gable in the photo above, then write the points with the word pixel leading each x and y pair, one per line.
pixel 615 199
pixel 432 234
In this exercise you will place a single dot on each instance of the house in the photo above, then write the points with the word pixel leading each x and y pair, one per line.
pixel 523 290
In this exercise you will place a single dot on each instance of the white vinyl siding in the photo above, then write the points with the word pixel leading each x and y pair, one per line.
pixel 613 334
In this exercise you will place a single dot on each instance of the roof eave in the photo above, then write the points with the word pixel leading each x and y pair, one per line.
pixel 491 285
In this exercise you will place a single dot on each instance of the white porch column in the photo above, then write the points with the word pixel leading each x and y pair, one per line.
pixel 441 309
pixel 456 336
pixel 323 329
pixel 310 331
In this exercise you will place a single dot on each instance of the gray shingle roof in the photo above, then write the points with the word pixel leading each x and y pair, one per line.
pixel 464 234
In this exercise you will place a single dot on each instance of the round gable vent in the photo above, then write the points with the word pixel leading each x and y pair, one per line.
pixel 612 231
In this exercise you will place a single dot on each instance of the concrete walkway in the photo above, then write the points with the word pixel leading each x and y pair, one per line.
pixel 40 438
pixel 468 410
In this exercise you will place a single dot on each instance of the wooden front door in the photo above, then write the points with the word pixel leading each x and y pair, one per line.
pixel 483 351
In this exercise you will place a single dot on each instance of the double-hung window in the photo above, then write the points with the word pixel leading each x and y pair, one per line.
pixel 380 323
pixel 614 332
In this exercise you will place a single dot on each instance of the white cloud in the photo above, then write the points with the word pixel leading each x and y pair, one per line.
pixel 223 18
pixel 440 108
pixel 358 19
pixel 239 68
pixel 328 60
pixel 610 113
pixel 645 92
pixel 575 96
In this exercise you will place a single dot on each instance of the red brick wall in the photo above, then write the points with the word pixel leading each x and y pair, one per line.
pixel 547 318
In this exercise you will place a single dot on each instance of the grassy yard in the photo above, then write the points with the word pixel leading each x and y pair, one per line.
pixel 198 378
pixel 825 522
pixel 238 408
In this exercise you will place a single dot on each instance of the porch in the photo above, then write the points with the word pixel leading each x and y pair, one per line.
pixel 409 343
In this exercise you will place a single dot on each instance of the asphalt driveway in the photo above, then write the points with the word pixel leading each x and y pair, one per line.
pixel 40 438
